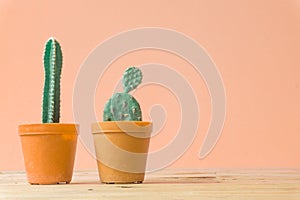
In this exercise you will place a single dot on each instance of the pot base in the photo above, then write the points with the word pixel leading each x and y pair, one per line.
pixel 137 182
pixel 112 176
pixel 51 183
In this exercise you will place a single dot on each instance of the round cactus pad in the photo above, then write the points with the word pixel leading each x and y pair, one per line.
pixel 122 107
pixel 132 77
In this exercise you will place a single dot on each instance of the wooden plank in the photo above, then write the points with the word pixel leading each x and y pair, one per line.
pixel 166 184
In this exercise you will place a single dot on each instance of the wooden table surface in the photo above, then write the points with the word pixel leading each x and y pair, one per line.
pixel 166 184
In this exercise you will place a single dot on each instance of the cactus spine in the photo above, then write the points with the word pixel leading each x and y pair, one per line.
pixel 123 106
pixel 51 96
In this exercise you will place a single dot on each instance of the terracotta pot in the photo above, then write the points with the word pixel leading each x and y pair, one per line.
pixel 121 150
pixel 49 151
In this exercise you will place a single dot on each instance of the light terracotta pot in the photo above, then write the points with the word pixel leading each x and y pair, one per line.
pixel 121 150
pixel 49 151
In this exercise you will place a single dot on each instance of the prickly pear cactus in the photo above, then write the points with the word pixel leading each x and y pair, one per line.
pixel 51 96
pixel 123 106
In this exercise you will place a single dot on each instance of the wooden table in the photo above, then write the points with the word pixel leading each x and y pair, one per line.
pixel 166 184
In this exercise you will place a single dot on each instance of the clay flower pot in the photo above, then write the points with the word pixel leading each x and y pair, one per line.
pixel 49 151
pixel 121 150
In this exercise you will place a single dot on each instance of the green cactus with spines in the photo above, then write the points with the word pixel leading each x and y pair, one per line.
pixel 52 66
pixel 123 106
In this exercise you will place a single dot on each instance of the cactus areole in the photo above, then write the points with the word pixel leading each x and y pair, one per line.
pixel 123 106
pixel 51 96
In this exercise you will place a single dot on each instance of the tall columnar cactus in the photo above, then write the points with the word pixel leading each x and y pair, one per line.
pixel 122 106
pixel 51 96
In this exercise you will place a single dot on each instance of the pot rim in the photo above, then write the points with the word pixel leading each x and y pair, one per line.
pixel 48 129
pixel 121 126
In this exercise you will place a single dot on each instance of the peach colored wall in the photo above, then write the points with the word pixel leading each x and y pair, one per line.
pixel 255 44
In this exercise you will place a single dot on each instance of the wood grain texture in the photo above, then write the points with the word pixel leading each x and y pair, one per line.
pixel 166 184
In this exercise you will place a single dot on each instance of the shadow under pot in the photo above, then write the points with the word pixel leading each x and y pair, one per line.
pixel 121 150
pixel 49 151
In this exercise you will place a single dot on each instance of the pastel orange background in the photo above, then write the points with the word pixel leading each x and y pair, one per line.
pixel 255 44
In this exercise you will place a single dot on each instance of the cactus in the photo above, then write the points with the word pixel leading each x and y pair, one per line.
pixel 122 106
pixel 51 96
